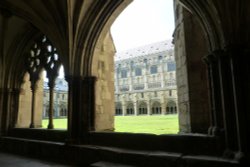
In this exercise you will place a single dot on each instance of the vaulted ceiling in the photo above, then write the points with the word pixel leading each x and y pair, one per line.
pixel 73 26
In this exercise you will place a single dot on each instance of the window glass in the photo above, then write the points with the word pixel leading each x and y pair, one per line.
pixel 171 66
pixel 124 74
pixel 153 69
pixel 138 72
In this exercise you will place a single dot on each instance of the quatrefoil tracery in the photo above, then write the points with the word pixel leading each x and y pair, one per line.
pixel 43 55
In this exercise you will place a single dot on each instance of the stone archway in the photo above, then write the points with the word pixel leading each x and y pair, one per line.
pixel 156 108
pixel 118 109
pixel 130 108
pixel 171 107
pixel 142 108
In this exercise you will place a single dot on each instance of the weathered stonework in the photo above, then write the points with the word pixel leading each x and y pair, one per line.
pixel 192 78
pixel 103 69
pixel 24 110
pixel 145 82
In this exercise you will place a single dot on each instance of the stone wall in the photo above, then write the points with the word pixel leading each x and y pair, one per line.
pixel 181 73
pixel 190 48
pixel 25 98
pixel 103 69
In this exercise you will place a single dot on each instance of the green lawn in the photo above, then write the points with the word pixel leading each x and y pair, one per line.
pixel 58 123
pixel 167 124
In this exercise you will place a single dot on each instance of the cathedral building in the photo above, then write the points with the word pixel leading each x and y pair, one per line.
pixel 60 99
pixel 145 82
pixel 211 48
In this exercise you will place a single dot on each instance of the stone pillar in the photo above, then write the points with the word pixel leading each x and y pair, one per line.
pixel 87 121
pixel 227 101
pixel 215 98
pixel 135 108
pixel 240 84
pixel 123 109
pixel 81 107
pixel 15 104
pixel 1 108
pixel 51 103
pixel 148 107
pixel 163 108
pixel 74 107
pixel 33 104
pixel 5 115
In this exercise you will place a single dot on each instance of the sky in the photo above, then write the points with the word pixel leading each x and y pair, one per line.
pixel 143 22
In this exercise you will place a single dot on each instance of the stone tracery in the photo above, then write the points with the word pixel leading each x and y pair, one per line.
pixel 43 56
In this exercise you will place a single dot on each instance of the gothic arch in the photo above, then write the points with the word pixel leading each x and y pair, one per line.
pixel 118 108
pixel 210 22
pixel 171 107
pixel 130 108
pixel 156 108
pixel 142 108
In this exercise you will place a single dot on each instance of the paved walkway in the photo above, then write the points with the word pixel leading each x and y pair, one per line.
pixel 11 160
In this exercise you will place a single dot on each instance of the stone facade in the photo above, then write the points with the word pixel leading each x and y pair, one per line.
pixel 145 82
pixel 60 99
pixel 76 28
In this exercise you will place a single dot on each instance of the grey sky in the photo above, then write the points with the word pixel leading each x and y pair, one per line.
pixel 143 22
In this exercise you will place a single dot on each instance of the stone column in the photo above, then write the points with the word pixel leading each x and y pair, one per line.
pixel 227 102
pixel 87 115
pixel 215 98
pixel 240 84
pixel 148 107
pixel 51 103
pixel 33 103
pixel 163 108
pixel 135 108
pixel 74 107
pixel 5 115
pixel 15 104
pixel 1 108
pixel 123 109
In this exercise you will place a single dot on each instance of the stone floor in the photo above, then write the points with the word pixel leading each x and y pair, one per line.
pixel 11 160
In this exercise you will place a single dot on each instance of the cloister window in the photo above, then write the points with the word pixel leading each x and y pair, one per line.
pixel 153 69
pixel 43 56
pixel 142 108
pixel 138 72
pixel 124 74
pixel 170 92
pixel 118 109
pixel 171 108
pixel 171 66
pixel 156 108
pixel 130 109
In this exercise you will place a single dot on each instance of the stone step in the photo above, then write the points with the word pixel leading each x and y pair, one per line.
pixel 186 144
pixel 84 155
pixel 109 164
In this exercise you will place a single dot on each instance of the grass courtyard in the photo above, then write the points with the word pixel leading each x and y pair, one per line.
pixel 166 124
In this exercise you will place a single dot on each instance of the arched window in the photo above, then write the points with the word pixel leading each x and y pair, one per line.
pixel 171 107
pixel 118 109
pixel 63 112
pixel 142 108
pixel 156 108
pixel 130 109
